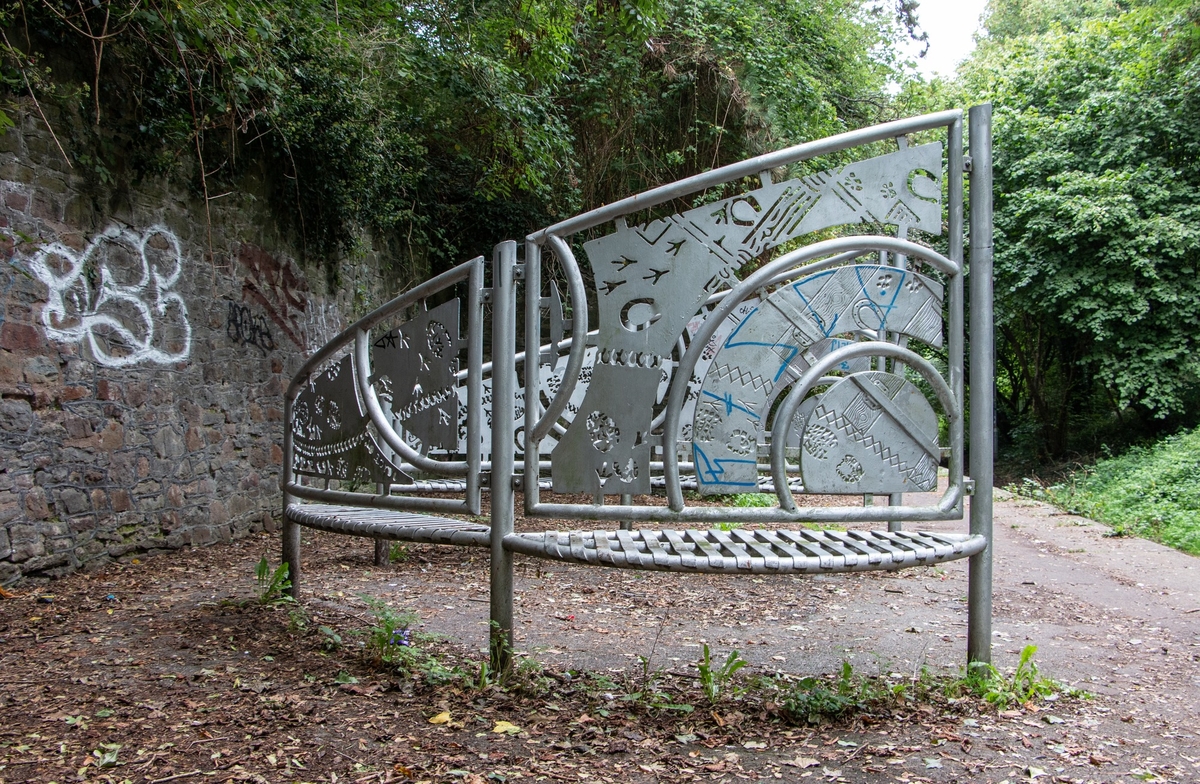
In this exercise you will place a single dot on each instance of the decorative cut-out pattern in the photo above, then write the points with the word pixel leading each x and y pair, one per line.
pixel 789 331
pixel 641 316
pixel 885 430
pixel 329 434
pixel 415 368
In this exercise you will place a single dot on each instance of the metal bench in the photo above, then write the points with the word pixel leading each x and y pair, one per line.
pixel 810 373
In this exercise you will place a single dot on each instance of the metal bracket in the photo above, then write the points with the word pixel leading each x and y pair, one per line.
pixel 518 272
pixel 485 296
pixel 969 486
pixel 967 164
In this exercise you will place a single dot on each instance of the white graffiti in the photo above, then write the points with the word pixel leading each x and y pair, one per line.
pixel 117 296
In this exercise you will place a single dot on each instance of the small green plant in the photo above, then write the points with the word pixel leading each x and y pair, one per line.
pixel 393 643
pixel 398 553
pixel 717 682
pixel 297 620
pixel 817 700
pixel 330 640
pixel 1026 684
pixel 650 694
pixel 391 636
pixel 272 585
pixel 728 526
pixel 106 755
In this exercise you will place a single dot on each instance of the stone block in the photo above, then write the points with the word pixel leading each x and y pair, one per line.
pixel 36 504
pixel 112 437
pixel 108 390
pixel 168 443
pixel 25 338
pixel 26 542
pixel 12 369
pixel 16 415
pixel 121 502
pixel 41 369
pixel 5 546
pixel 73 501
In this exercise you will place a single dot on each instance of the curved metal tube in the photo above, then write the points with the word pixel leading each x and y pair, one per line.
pixel 367 322
pixel 812 376
pixel 363 325
pixel 362 365
pixel 833 249
pixel 748 168
pixel 579 331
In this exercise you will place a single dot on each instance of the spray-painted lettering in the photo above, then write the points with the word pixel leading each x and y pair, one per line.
pixel 246 329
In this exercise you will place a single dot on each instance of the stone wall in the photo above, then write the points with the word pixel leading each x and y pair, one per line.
pixel 141 375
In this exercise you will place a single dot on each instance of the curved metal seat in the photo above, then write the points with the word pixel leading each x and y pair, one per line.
pixel 752 551
pixel 388 524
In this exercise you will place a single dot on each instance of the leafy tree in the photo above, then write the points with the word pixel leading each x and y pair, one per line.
pixel 440 126
pixel 1097 218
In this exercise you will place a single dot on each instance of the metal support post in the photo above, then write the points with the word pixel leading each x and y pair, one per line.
pixel 504 371
pixel 979 596
pixel 290 534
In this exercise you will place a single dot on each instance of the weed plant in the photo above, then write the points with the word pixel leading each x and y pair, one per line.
pixel 272 584
pixel 717 681
pixel 1026 684
pixel 1153 492
pixel 392 643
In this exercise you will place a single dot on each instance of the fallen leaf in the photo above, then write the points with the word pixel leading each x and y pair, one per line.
pixel 7 594
pixel 1053 719
pixel 441 718
pixel 506 727
pixel 930 762
pixel 803 762
pixel 754 744
pixel 1034 773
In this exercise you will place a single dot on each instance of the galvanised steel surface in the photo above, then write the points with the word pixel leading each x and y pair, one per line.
pixel 657 348
pixel 331 440
pixel 710 363
pixel 414 370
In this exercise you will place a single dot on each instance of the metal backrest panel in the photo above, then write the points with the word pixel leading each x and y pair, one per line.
pixel 367 410
pixel 654 284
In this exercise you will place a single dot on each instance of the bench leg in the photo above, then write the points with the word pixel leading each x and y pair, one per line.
pixel 291 555
pixel 381 552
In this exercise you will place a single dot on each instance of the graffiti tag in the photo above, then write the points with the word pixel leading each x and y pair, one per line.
pixel 117 296
pixel 246 329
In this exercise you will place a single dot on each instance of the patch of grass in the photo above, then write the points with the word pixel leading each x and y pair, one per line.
pixel 1153 492
pixel 754 499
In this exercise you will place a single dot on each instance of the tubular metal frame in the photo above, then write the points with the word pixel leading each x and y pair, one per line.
pixel 509 273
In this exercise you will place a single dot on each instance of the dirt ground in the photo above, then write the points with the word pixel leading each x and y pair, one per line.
pixel 168 669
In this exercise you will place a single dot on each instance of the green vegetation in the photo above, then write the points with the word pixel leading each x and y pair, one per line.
pixel 1026 684
pixel 392 644
pixel 1097 207
pixel 717 681
pixel 273 584
pixel 438 127
pixel 1148 491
